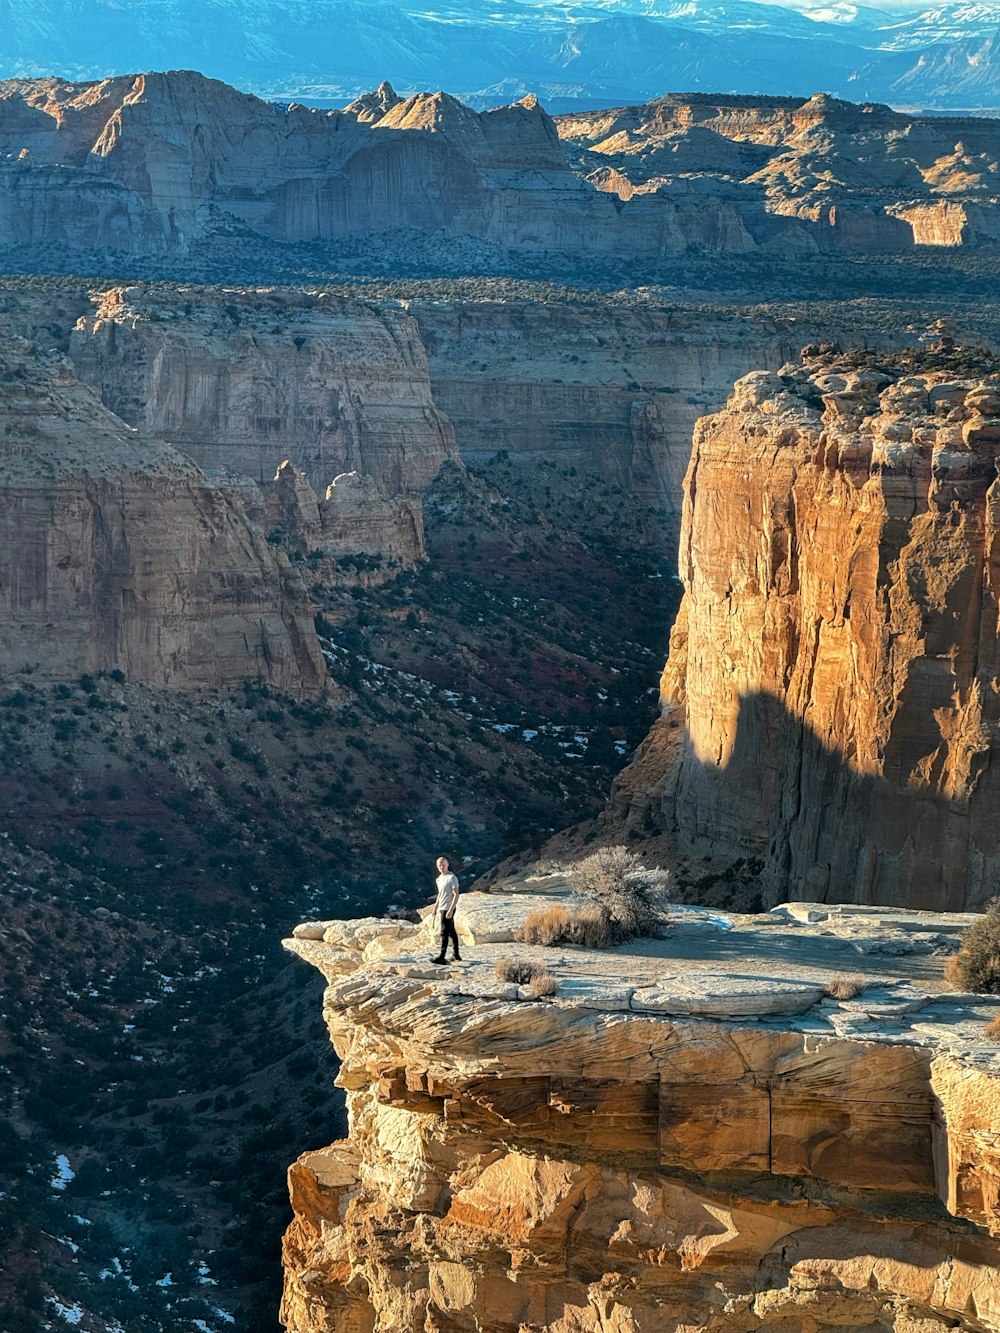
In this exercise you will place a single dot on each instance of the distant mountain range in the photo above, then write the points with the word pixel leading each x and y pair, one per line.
pixel 571 53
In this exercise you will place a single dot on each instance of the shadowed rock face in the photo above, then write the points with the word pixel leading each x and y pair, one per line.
pixel 608 390
pixel 629 1157
pixel 119 553
pixel 835 666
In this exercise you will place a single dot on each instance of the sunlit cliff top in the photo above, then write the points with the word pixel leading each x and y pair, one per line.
pixel 773 970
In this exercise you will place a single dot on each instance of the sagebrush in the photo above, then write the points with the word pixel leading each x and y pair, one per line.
pixel 633 895
pixel 512 969
pixel 845 985
pixel 976 966
pixel 539 980
pixel 542 986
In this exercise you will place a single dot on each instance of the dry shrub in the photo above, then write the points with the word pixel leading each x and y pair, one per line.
pixel 511 969
pixel 976 966
pixel 589 926
pixel 542 986
pixel 953 972
pixel 845 985
pixel 546 925
pixel 632 896
pixel 992 1029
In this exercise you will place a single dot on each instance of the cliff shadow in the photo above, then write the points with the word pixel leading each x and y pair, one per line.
pixel 824 830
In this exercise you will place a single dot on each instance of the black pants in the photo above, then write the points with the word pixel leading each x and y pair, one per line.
pixel 448 932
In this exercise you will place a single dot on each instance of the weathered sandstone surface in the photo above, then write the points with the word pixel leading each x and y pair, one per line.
pixel 831 694
pixel 797 176
pixel 354 517
pixel 155 163
pixel 689 1136
pixel 119 553
pixel 611 390
pixel 244 379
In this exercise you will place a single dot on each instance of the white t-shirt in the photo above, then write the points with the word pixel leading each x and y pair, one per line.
pixel 447 887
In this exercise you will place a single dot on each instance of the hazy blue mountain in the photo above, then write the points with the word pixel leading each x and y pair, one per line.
pixel 573 53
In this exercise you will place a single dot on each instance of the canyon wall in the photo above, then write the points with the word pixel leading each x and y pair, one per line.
pixel 118 553
pixel 830 698
pixel 611 390
pixel 244 379
pixel 796 176
pixel 154 164
pixel 656 1149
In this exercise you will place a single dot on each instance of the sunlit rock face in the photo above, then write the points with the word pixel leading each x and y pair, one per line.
pixel 118 553
pixel 244 380
pixel 833 679
pixel 670 1143
pixel 153 162
pixel 795 176
pixel 156 163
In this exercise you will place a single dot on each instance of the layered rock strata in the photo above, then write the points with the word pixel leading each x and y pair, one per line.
pixel 354 518
pixel 118 553
pixel 771 163
pixel 672 1142
pixel 153 162
pixel 244 379
pixel 612 391
pixel 834 671
pixel 156 163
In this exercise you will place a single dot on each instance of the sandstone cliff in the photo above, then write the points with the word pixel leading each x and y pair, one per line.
pixel 156 163
pixel 612 390
pixel 119 553
pixel 672 1143
pixel 244 379
pixel 802 176
pixel 833 679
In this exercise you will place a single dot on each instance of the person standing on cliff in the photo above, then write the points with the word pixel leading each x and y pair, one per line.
pixel 447 902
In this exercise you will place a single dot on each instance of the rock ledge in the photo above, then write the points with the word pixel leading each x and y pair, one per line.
pixel 690 1135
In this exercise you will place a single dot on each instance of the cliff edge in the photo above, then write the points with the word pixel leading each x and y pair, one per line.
pixel 690 1135
pixel 831 696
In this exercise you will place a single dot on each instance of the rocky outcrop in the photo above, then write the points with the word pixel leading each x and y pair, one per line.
pixel 157 163
pixel 669 1143
pixel 796 176
pixel 355 518
pixel 244 379
pixel 834 670
pixel 118 553
pixel 178 157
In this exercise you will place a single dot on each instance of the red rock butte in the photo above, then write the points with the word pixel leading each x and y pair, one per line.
pixel 831 697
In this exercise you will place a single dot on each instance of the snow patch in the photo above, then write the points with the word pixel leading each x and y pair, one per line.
pixel 64 1173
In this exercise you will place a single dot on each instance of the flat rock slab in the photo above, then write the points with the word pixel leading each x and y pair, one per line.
pixel 485 918
pixel 718 995
pixel 877 918
pixel 611 994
